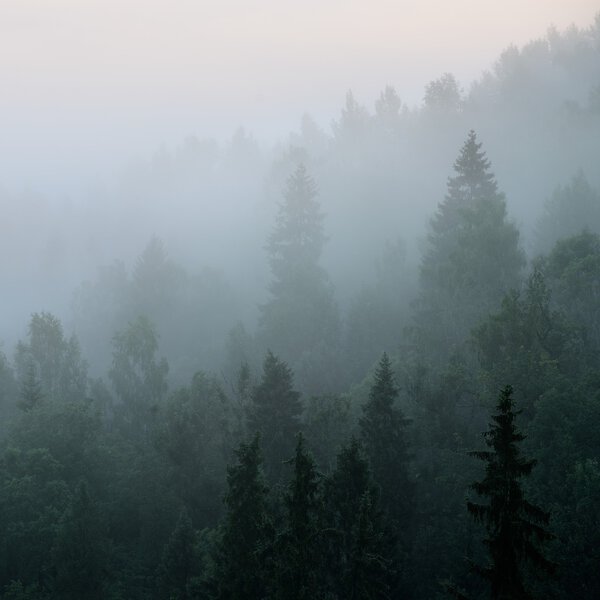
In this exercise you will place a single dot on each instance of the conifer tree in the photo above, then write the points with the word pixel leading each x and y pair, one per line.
pixel 301 316
pixel 360 549
pixel 180 561
pixel 299 548
pixel 515 527
pixel 242 569
pixel 275 413
pixel 473 256
pixel 383 432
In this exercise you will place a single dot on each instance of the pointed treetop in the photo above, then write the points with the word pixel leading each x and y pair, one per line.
pixel 473 182
pixel 384 388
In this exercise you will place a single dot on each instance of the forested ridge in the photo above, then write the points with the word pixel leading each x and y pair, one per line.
pixel 399 412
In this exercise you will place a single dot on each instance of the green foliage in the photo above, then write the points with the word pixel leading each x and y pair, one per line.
pixel 79 552
pixel 515 527
pixel 52 359
pixel 360 551
pixel 473 256
pixel 194 436
pixel 275 413
pixel 528 343
pixel 301 315
pixel 572 270
pixel 138 378
pixel 327 424
pixel 180 563
pixel 383 432
pixel 299 553
pixel 242 565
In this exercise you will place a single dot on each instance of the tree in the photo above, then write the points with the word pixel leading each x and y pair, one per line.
pixel 528 343
pixel 299 548
pixel 570 210
pixel 56 360
pixel 515 527
pixel 79 552
pixel 383 431
pixel 443 95
pixel 301 317
pixel 360 552
pixel 180 561
pixel 241 561
pixel 473 256
pixel 275 413
pixel 138 379
pixel 31 390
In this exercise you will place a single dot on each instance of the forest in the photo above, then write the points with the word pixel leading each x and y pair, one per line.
pixel 361 364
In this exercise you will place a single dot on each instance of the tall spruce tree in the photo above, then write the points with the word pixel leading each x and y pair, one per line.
pixel 299 549
pixel 274 411
pixel 515 527
pixel 383 432
pixel 241 563
pixel 473 256
pixel 300 320
pixel 360 549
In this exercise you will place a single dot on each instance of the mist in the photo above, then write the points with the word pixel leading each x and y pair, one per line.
pixel 222 220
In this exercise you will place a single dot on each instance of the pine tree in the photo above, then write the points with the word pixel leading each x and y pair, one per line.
pixel 299 548
pixel 275 413
pixel 383 431
pixel 242 566
pixel 473 256
pixel 515 527
pixel 360 550
pixel 301 316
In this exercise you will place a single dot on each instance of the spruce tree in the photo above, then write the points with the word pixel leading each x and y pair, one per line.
pixel 300 318
pixel 299 548
pixel 360 549
pixel 473 256
pixel 241 562
pixel 515 527
pixel 275 412
pixel 383 432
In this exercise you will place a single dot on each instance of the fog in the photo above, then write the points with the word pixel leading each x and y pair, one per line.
pixel 273 274
pixel 123 125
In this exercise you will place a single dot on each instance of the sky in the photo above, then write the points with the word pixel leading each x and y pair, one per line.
pixel 89 84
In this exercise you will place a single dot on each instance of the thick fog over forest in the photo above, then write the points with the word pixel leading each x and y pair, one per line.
pixel 259 325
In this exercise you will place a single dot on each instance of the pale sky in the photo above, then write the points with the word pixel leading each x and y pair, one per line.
pixel 91 82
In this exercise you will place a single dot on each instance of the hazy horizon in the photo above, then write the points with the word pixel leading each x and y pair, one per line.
pixel 90 87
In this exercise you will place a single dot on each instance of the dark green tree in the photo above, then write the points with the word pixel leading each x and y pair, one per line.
pixel 473 256
pixel 80 551
pixel 242 565
pixel 383 432
pixel 180 562
pixel 274 411
pixel 515 527
pixel 360 551
pixel 299 560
